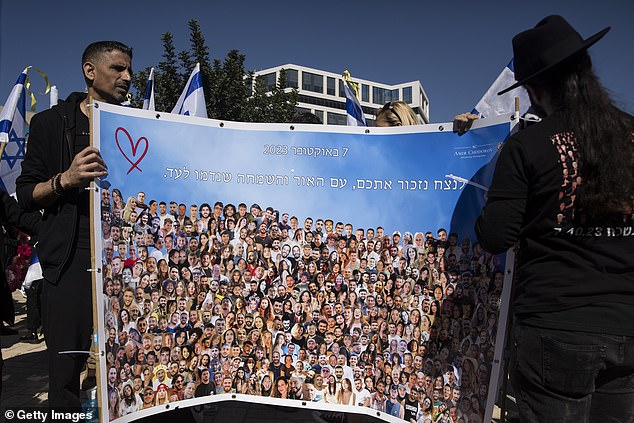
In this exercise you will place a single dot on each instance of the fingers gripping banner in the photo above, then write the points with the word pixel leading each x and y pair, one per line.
pixel 274 263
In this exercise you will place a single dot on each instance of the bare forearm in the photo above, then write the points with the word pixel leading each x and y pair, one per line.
pixel 85 167
pixel 43 194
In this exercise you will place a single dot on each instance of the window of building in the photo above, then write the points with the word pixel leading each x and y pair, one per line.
pixel 331 86
pixel 312 82
pixel 394 95
pixel 292 78
pixel 365 92
pixel 383 95
pixel 300 110
pixel 380 95
pixel 337 119
pixel 342 90
pixel 319 101
pixel 369 110
pixel 320 114
pixel 270 80
pixel 407 95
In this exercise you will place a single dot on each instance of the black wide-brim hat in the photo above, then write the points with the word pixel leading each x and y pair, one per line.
pixel 552 41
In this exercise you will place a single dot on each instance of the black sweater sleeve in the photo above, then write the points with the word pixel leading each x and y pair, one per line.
pixel 37 161
pixel 500 222
pixel 499 225
pixel 12 214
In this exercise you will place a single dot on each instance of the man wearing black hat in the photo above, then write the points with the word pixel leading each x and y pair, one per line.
pixel 564 189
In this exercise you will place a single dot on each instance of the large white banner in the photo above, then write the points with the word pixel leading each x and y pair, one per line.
pixel 321 267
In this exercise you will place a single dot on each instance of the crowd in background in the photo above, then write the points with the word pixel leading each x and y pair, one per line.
pixel 211 299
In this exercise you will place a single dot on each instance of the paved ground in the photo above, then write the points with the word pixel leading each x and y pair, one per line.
pixel 25 375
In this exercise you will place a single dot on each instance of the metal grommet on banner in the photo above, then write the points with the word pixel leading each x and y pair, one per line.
pixel 292 128
pixel 367 131
pixel 441 128
pixel 90 104
pixel 158 116
pixel 96 186
pixel 222 124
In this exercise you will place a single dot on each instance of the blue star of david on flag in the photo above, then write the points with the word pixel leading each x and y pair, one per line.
pixel 15 150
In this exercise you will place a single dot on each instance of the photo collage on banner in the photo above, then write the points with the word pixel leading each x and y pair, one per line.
pixel 326 264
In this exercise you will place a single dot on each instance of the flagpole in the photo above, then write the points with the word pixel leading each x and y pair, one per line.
pixel 3 145
pixel 54 95
pixel 96 336
pixel 517 107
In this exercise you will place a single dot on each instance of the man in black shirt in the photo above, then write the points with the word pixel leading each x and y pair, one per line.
pixel 58 166
pixel 276 365
pixel 411 405
pixel 206 385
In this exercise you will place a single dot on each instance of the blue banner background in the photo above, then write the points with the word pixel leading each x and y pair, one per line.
pixel 176 147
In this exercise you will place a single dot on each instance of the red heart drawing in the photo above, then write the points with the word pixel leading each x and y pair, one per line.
pixel 134 147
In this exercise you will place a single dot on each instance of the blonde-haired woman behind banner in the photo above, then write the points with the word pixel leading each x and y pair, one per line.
pixel 395 113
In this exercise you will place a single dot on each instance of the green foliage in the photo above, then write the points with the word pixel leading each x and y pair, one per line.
pixel 276 106
pixel 231 92
pixel 139 79
pixel 259 103
pixel 169 78
pixel 283 100
pixel 199 53
pixel 226 84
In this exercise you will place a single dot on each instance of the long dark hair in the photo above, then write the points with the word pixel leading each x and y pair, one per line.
pixel 604 136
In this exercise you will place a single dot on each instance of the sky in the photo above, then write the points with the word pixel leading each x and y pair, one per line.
pixel 455 49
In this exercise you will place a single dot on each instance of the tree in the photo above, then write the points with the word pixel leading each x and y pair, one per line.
pixel 283 102
pixel 275 106
pixel 139 80
pixel 169 80
pixel 259 102
pixel 231 93
pixel 199 53
pixel 225 83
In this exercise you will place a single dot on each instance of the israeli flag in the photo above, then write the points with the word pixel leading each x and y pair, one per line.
pixel 192 100
pixel 492 104
pixel 354 111
pixel 34 272
pixel 148 100
pixel 13 131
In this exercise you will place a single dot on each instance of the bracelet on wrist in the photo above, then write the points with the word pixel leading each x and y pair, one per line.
pixel 57 185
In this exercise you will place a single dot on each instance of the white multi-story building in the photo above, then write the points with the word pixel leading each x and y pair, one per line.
pixel 322 93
